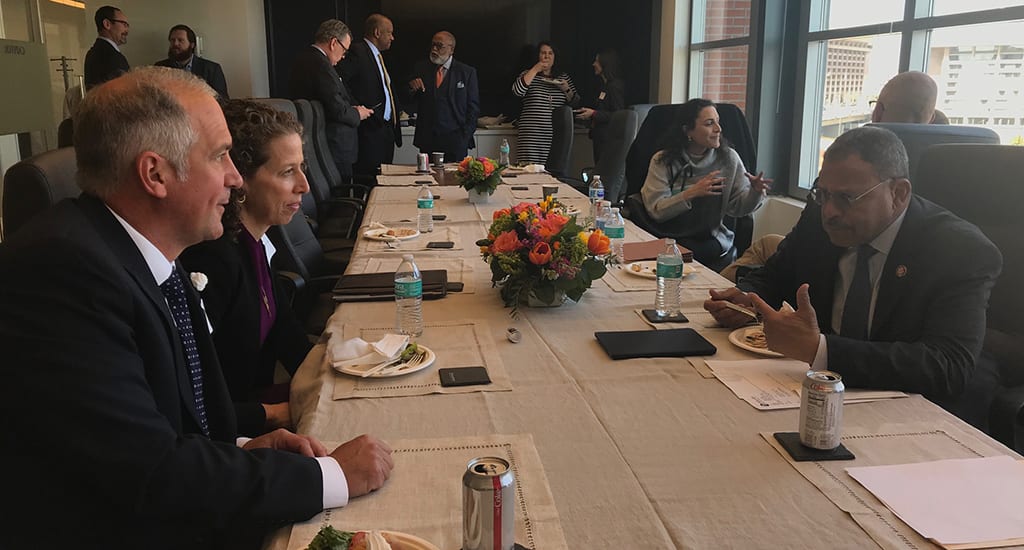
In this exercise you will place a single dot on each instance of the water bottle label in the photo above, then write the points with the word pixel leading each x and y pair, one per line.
pixel 600 225
pixel 596 194
pixel 409 289
pixel 424 203
pixel 615 232
pixel 669 271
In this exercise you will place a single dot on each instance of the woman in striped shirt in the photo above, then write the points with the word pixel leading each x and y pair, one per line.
pixel 543 89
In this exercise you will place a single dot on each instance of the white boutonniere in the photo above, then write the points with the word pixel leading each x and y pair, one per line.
pixel 199 280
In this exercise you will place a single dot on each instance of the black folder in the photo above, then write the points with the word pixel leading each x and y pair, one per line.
pixel 677 342
pixel 368 287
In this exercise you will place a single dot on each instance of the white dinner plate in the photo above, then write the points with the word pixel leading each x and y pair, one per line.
pixel 380 234
pixel 393 370
pixel 738 340
pixel 649 269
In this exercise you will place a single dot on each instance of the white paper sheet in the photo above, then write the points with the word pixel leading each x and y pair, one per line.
pixel 953 502
pixel 769 384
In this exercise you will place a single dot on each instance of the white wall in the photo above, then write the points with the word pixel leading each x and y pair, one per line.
pixel 233 34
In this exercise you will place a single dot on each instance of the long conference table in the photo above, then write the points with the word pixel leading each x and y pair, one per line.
pixel 640 453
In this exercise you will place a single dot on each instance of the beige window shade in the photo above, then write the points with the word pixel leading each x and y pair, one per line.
pixel 26 88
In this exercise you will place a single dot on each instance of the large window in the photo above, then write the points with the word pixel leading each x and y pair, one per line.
pixel 720 50
pixel 805 72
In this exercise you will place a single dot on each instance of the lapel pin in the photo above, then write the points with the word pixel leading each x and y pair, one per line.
pixel 901 271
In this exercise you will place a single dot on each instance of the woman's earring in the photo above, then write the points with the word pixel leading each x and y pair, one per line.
pixel 241 196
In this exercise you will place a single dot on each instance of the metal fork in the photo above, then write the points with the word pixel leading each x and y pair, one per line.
pixel 412 363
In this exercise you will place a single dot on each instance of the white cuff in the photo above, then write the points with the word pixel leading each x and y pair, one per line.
pixel 241 441
pixel 821 356
pixel 335 484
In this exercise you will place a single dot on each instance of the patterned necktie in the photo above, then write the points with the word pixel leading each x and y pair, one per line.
pixel 174 291
pixel 440 76
pixel 387 84
pixel 858 298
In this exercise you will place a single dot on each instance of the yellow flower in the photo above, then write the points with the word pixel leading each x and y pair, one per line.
pixel 523 216
pixel 584 236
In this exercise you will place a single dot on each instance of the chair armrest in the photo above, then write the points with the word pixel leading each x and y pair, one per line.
pixel 323 283
pixel 353 191
pixel 292 283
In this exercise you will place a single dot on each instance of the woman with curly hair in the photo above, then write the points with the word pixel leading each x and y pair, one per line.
pixel 253 326
pixel 698 180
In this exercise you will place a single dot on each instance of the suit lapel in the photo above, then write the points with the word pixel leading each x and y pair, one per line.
pixel 893 280
pixel 126 251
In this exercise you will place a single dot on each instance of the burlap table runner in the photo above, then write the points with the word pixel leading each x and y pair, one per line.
pixel 423 497
pixel 620 279
pixel 418 244
pixel 535 192
pixel 523 178
pixel 399 170
pixel 908 444
pixel 456 343
pixel 459 269
pixel 454 210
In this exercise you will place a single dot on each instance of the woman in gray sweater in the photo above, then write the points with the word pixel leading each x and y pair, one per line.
pixel 697 181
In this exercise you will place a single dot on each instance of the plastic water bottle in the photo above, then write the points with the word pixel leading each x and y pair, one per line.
pixel 503 153
pixel 603 209
pixel 425 210
pixel 409 297
pixel 596 193
pixel 670 275
pixel 615 230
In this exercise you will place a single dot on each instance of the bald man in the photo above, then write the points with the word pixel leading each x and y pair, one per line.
pixel 907 97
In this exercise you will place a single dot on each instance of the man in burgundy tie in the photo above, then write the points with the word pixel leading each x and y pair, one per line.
pixel 444 94
pixel 890 289
pixel 121 414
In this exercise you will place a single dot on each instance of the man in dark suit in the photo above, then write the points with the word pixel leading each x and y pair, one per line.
pixel 181 54
pixel 104 59
pixel 368 79
pixel 121 413
pixel 446 99
pixel 891 290
pixel 313 77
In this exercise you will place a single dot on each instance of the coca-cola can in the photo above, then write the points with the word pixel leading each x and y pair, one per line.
pixel 821 410
pixel 488 505
pixel 422 162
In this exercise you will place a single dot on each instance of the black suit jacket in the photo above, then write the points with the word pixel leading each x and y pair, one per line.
pixel 359 70
pixel 102 63
pixel 209 71
pixel 313 78
pixel 929 320
pixel 459 106
pixel 102 422
pixel 233 302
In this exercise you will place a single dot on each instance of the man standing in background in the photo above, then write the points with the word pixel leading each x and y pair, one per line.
pixel 367 77
pixel 181 54
pixel 446 99
pixel 104 60
pixel 313 77
pixel 907 97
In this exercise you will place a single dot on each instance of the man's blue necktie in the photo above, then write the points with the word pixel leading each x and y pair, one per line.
pixel 858 298
pixel 174 291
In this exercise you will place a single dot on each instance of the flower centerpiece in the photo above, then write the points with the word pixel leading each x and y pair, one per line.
pixel 537 253
pixel 480 176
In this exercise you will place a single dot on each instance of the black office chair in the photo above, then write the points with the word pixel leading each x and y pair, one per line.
pixel 37 183
pixel 66 133
pixel 560 154
pixel 612 166
pixel 307 272
pixel 917 138
pixel 311 114
pixel 982 184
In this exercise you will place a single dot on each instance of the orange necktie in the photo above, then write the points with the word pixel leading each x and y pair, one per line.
pixel 440 77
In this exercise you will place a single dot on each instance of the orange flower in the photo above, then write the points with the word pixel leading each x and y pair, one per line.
pixel 464 165
pixel 551 225
pixel 488 166
pixel 557 245
pixel 598 244
pixel 499 213
pixel 541 253
pixel 506 242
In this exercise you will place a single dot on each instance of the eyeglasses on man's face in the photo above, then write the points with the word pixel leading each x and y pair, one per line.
pixel 842 201
pixel 121 21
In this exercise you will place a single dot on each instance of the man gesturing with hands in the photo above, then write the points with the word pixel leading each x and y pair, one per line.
pixel 891 289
